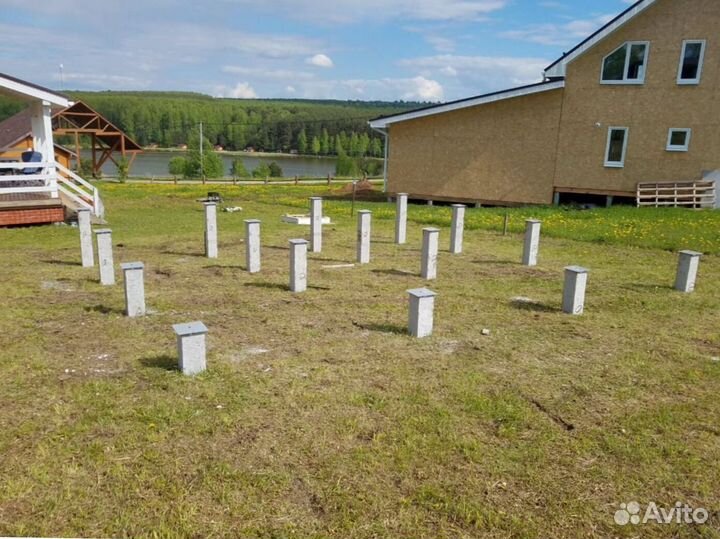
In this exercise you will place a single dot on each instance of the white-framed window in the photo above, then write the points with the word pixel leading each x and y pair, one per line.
pixel 626 64
pixel 691 61
pixel 679 139
pixel 617 141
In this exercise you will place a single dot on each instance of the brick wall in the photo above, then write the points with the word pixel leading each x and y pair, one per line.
pixel 31 216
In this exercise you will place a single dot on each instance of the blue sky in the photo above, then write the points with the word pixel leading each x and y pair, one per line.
pixel 429 50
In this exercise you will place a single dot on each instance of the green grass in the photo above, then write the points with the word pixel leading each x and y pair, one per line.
pixel 319 417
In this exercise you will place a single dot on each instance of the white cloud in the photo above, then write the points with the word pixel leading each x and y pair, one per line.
pixel 320 60
pixel 391 89
pixel 480 73
pixel 349 11
pixel 441 44
pixel 559 34
pixel 263 73
pixel 242 90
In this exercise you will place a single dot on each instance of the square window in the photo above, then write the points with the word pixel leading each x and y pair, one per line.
pixel 679 140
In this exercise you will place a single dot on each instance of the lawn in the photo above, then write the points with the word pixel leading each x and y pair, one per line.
pixel 319 417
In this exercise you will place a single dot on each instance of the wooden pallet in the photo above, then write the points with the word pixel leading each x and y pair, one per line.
pixel 699 194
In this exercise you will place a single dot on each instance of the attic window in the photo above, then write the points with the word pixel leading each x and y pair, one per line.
pixel 691 61
pixel 627 64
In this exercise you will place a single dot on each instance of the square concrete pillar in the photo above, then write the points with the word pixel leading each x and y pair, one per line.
pixel 298 265
pixel 532 242
pixel 86 241
pixel 191 347
pixel 316 224
pixel 420 315
pixel 457 228
pixel 211 231
pixel 428 266
pixel 401 218
pixel 252 245
pixel 574 290
pixel 363 239
pixel 687 271
pixel 134 278
pixel 105 256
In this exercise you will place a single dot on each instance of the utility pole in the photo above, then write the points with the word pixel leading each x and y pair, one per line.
pixel 202 170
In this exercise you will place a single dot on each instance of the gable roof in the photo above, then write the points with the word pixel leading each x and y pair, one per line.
pixel 24 90
pixel 545 86
pixel 557 68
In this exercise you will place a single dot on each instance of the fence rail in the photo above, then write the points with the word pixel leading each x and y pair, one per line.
pixel 698 194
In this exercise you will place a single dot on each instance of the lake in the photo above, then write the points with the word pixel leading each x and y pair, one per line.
pixel 150 164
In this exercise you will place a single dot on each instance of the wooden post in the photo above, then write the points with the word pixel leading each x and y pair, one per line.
pixel 352 206
pixel 328 181
pixel 505 223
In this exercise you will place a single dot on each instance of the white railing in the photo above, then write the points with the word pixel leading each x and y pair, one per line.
pixel 80 191
pixel 53 179
pixel 43 182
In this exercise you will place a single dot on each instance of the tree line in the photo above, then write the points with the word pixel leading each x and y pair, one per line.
pixel 169 119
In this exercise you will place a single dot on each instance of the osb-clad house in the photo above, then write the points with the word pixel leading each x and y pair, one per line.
pixel 633 111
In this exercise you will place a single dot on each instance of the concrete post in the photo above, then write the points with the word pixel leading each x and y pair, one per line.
pixel 574 290
pixel 401 218
pixel 420 316
pixel 105 256
pixel 86 242
pixel 363 239
pixel 191 347
pixel 532 242
pixel 457 229
pixel 252 245
pixel 316 224
pixel 211 232
pixel 133 275
pixel 428 268
pixel 687 271
pixel 298 265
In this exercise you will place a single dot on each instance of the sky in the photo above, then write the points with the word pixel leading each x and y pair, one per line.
pixel 412 50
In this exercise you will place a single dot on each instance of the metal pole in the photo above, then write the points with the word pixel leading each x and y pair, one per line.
pixel 202 171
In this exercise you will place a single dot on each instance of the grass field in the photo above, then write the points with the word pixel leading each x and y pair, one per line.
pixel 319 416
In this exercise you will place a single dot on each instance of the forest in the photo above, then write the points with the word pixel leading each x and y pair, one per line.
pixel 166 120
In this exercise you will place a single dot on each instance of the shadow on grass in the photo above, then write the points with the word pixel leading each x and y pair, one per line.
pixel 62 262
pixel 497 261
pixel 276 247
pixel 382 328
pixel 219 266
pixel 162 361
pixel 181 253
pixel 267 285
pixel 644 287
pixel 531 305
pixel 396 272
pixel 104 309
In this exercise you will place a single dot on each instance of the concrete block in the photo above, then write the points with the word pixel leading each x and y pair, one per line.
pixel 428 266
pixel 105 256
pixel 420 315
pixel 532 242
pixel 191 347
pixel 363 239
pixel 86 241
pixel 457 228
pixel 401 203
pixel 687 271
pixel 211 230
pixel 316 224
pixel 298 265
pixel 574 290
pixel 134 278
pixel 252 245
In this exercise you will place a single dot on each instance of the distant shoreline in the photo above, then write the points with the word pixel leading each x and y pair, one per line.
pixel 247 154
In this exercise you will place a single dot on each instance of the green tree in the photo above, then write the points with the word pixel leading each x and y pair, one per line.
pixel 302 142
pixel 346 165
pixel 177 166
pixel 209 166
pixel 315 146
pixel 123 169
pixel 238 169
pixel 261 171
pixel 325 142
pixel 275 170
